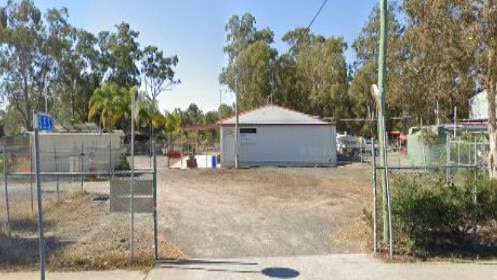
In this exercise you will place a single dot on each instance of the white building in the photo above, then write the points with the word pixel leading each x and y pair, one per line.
pixel 478 106
pixel 75 152
pixel 275 136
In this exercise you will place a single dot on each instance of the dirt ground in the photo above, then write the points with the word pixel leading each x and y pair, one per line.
pixel 265 211
pixel 211 213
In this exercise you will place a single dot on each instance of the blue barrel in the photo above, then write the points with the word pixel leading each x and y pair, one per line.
pixel 214 161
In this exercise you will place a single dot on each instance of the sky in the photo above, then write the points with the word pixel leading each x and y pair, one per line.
pixel 194 31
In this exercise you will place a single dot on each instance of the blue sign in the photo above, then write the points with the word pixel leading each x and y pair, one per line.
pixel 44 122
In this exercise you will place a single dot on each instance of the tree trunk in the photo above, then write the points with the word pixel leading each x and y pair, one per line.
pixel 28 124
pixel 492 123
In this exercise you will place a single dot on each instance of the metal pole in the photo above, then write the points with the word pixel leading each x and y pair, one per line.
pixel 40 208
pixel 360 149
pixel 31 156
pixel 82 155
pixel 389 209
pixel 156 243
pixel 476 153
pixel 56 171
pixel 375 211
pixel 111 170
pixel 6 188
pixel 455 122
pixel 151 139
pixel 447 156
pixel 475 201
pixel 131 189
pixel 236 121
pixel 381 111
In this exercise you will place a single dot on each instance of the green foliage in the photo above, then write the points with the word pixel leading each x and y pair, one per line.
pixel 429 136
pixel 430 213
pixel 123 164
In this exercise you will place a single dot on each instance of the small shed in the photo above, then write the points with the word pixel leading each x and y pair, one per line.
pixel 426 146
pixel 276 136
pixel 76 152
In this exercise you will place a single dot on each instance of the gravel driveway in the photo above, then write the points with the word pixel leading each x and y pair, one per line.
pixel 264 211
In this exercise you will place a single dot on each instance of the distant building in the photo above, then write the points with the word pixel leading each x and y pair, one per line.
pixel 276 136
pixel 478 107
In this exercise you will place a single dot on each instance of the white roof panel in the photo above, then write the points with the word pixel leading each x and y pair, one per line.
pixel 273 114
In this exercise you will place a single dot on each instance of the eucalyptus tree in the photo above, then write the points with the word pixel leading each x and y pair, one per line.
pixel 480 34
pixel 31 50
pixel 158 75
pixel 250 61
pixel 365 73
pixel 157 70
pixel 120 54
pixel 312 77
pixel 80 74
pixel 438 68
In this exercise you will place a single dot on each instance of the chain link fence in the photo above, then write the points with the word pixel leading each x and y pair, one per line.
pixel 441 211
pixel 87 211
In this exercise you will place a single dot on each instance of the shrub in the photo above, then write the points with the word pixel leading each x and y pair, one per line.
pixel 123 164
pixel 431 214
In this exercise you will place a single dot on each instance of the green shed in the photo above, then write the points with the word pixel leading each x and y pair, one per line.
pixel 426 146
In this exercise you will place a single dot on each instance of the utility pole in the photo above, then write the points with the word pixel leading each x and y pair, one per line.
pixel 381 116
pixel 236 120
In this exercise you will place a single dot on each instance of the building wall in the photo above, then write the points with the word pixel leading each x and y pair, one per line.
pixel 75 152
pixel 280 145
pixel 479 106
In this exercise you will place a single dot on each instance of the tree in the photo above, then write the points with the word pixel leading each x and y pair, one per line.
pixel 158 76
pixel 173 124
pixel 110 106
pixel 437 74
pixel 365 72
pixel 192 116
pixel 80 74
pixel 120 55
pixel 312 77
pixel 30 52
pixel 480 34
pixel 157 70
pixel 225 111
pixel 250 63
pixel 255 68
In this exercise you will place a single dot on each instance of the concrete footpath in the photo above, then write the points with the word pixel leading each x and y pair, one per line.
pixel 335 267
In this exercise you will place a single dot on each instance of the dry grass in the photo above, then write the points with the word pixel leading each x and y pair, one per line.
pixel 82 234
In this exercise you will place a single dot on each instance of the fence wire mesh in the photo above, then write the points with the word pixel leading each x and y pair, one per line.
pixel 443 211
pixel 81 229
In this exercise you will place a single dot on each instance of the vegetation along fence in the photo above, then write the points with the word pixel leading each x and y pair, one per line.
pixel 444 211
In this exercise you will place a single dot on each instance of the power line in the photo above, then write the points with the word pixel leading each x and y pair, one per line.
pixel 316 15
pixel 308 28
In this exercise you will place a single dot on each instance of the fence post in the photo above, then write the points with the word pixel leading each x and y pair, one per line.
pixel 6 188
pixel 111 170
pixel 56 170
pixel 156 243
pixel 447 156
pixel 458 152
pixel 31 154
pixel 360 149
pixel 476 153
pixel 40 208
pixel 82 155
pixel 475 201
pixel 375 214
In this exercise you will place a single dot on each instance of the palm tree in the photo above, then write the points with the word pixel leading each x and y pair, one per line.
pixel 111 105
pixel 101 105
